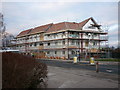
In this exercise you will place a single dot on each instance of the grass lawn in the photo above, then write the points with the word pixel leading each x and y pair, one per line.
pixel 106 59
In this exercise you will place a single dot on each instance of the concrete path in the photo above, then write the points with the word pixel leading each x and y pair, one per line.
pixel 59 77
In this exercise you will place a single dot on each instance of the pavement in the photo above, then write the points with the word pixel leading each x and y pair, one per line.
pixel 59 77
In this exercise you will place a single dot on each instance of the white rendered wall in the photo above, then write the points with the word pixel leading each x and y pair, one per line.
pixel 89 24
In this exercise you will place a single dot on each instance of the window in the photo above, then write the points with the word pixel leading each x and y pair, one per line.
pixel 56 43
pixel 86 43
pixel 48 35
pixel 77 43
pixel 35 44
pixel 86 34
pixel 41 44
pixel 95 35
pixel 63 42
pixel 30 44
pixel 48 44
pixel 73 52
pixel 71 32
pixel 54 35
pixel 63 34
pixel 94 43
pixel 63 52
pixel 72 42
pixel 35 36
pixel 26 38
pixel 91 27
pixel 55 52
pixel 48 52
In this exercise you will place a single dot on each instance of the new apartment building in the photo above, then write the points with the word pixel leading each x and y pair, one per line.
pixel 63 40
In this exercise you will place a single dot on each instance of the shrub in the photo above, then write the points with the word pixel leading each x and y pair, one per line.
pixel 19 71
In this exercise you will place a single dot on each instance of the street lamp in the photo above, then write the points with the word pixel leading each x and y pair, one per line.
pixel 89 35
pixel 88 47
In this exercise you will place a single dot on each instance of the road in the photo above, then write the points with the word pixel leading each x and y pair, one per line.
pixel 112 69
pixel 59 77
pixel 65 74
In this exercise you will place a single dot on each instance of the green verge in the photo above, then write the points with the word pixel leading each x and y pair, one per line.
pixel 105 59
pixel 115 60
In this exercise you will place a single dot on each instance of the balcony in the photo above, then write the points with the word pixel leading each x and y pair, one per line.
pixel 35 47
pixel 93 50
pixel 54 38
pixel 61 46
pixel 55 46
pixel 73 36
pixel 104 38
pixel 40 47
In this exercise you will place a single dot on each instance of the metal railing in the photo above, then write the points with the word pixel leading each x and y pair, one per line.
pixel 103 38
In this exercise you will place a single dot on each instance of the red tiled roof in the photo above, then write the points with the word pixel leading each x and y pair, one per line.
pixel 81 24
pixel 63 26
pixel 24 32
pixel 68 25
pixel 73 25
pixel 40 28
pixel 56 27
pixel 35 30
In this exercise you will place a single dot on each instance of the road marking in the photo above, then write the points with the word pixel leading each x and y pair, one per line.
pixel 51 74
pixel 67 84
pixel 109 70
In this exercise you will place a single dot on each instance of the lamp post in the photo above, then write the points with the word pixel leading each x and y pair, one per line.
pixel 89 35
pixel 68 43
pixel 79 50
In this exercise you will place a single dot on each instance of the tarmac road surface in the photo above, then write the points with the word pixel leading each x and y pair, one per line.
pixel 59 77
pixel 106 68
pixel 65 74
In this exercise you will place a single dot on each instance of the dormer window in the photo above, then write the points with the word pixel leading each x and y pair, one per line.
pixel 91 27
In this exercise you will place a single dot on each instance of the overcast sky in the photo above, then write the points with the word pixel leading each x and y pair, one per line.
pixel 20 16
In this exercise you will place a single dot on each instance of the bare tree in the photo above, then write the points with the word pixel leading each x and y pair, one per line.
pixel 2 25
pixel 2 30
pixel 5 38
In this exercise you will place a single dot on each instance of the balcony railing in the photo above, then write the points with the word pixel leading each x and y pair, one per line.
pixel 55 46
pixel 103 38
pixel 61 46
pixel 73 36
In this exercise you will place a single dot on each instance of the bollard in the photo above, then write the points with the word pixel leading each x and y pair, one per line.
pixel 75 60
pixel 97 67
pixel 92 61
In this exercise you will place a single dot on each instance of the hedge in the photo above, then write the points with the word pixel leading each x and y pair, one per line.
pixel 20 71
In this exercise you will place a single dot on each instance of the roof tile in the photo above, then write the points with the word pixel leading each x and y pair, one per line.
pixel 24 32
pixel 40 28
pixel 55 27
